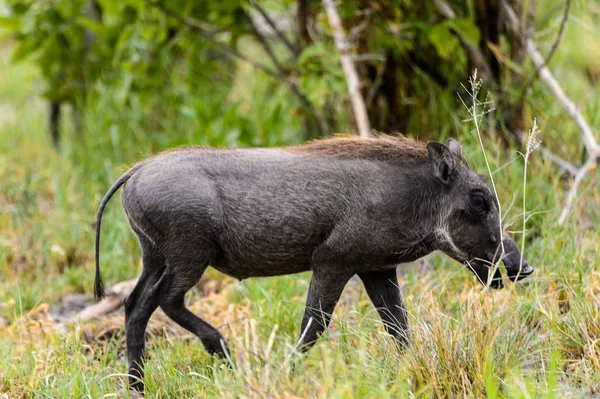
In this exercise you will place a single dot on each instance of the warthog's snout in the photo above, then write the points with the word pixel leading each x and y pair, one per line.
pixel 516 268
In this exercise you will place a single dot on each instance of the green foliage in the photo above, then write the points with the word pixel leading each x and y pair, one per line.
pixel 157 55
pixel 142 55
pixel 146 58
pixel 442 36
pixel 52 33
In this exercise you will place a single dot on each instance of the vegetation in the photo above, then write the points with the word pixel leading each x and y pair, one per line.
pixel 538 338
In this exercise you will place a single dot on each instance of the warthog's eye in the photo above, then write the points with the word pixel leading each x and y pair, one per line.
pixel 478 202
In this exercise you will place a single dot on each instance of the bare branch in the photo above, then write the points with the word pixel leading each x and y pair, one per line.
pixel 273 26
pixel 563 24
pixel 209 32
pixel 368 57
pixel 114 300
pixel 376 83
pixel 303 16
pixel 561 31
pixel 563 164
pixel 357 30
pixel 591 146
pixel 572 109
pixel 546 153
pixel 266 46
pixel 358 103
pixel 587 167
pixel 444 8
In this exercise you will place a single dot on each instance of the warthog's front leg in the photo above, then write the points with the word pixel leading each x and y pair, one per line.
pixel 382 288
pixel 324 292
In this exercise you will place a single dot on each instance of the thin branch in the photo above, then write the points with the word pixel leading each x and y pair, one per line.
pixel 266 46
pixel 209 33
pixel 376 83
pixel 428 68
pixel 273 26
pixel 114 300
pixel 303 16
pixel 572 109
pixel 587 167
pixel 358 103
pixel 357 30
pixel 562 164
pixel 546 153
pixel 284 76
pixel 368 57
pixel 591 146
pixel 561 30
pixel 444 8
pixel 207 29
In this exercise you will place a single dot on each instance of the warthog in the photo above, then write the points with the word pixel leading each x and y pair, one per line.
pixel 338 207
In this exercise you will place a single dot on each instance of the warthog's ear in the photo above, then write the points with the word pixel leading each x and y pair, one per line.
pixel 454 146
pixel 442 161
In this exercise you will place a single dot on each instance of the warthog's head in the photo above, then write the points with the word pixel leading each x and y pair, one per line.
pixel 469 228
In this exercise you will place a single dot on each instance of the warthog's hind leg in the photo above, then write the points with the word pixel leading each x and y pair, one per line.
pixel 175 308
pixel 139 306
pixel 186 270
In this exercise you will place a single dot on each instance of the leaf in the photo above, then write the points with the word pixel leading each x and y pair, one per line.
pixel 465 28
pixel 502 58
pixel 26 48
pixel 4 34
pixel 309 52
pixel 91 24
pixel 443 40
pixel 11 23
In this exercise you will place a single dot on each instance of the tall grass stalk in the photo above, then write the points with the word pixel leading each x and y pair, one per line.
pixel 532 143
pixel 476 84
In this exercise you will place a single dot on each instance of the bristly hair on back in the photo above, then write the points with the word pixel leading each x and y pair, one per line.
pixel 382 147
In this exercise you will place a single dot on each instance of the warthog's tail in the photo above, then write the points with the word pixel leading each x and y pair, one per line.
pixel 98 284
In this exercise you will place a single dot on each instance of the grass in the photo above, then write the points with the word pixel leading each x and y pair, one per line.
pixel 537 339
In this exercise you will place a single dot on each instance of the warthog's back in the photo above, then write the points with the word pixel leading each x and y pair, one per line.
pixel 263 209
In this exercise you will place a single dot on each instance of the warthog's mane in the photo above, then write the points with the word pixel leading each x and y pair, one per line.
pixel 380 147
